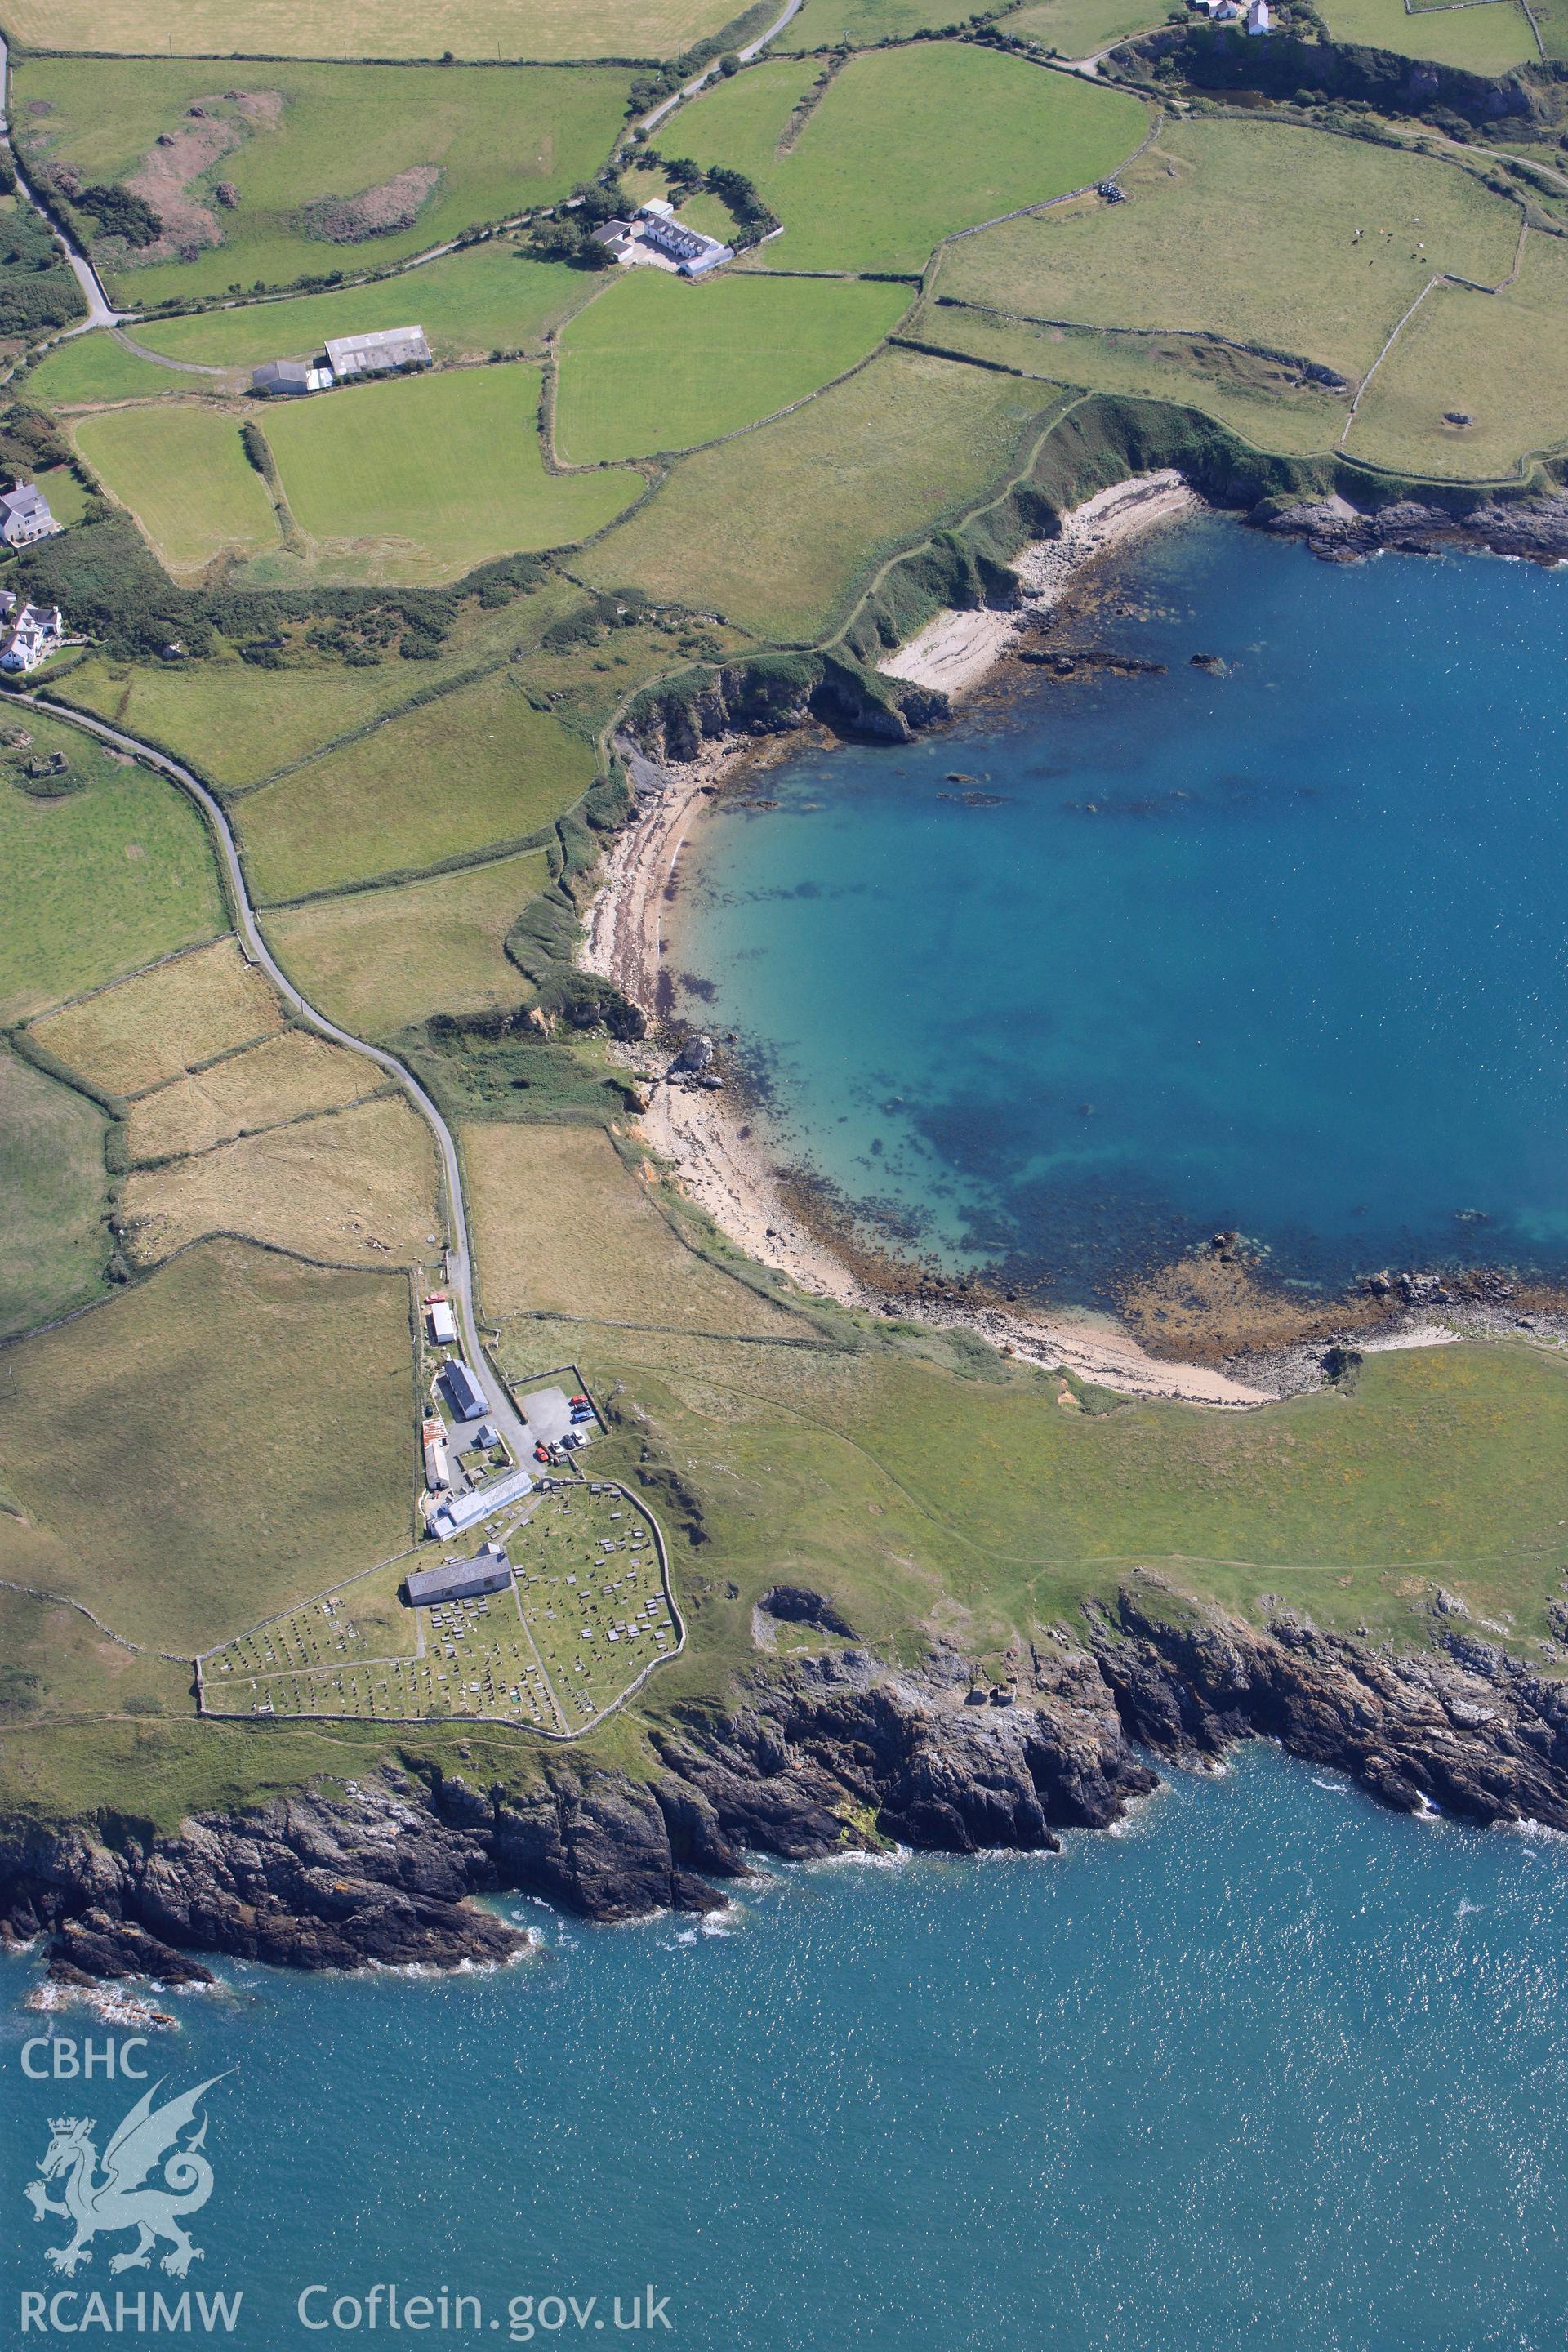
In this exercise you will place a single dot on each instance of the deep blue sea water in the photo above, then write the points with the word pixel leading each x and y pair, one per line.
pixel 1284 950
pixel 1273 2069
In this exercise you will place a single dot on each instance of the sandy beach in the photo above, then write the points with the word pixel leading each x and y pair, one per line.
pixel 716 1160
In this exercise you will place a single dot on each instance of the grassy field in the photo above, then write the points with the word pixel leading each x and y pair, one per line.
pixel 821 494
pixel 905 146
pixel 53 1196
pixel 145 1031
pixel 98 880
pixel 353 1187
pixel 381 29
pixel 823 24
pixel 1292 238
pixel 294 1461
pixel 300 146
pixel 91 370
pixel 591 1241
pixel 238 723
pixel 1258 398
pixel 492 297
pixel 451 777
pixel 179 468
pixel 61 1668
pixel 1079 29
pixel 424 480
pixel 378 960
pixel 289 1076
pixel 656 364
pixel 1497 359
pixel 1483 40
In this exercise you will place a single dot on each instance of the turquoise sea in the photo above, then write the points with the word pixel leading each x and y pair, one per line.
pixel 1272 2069
pixel 1282 948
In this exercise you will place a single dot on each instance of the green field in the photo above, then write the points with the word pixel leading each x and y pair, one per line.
pixel 182 471
pixel 452 776
pixel 379 959
pixel 379 28
pixel 97 368
pixel 823 24
pixel 61 1668
pixel 1304 243
pixel 656 364
pixel 1484 39
pixel 315 156
pixel 905 146
pixel 492 297
pixel 177 1525
pixel 1258 398
pixel 103 879
pixel 53 1196
pixel 1497 359
pixel 1080 29
pixel 820 496
pixel 239 723
pixel 424 480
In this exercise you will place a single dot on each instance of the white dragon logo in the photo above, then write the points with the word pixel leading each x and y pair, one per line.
pixel 117 2200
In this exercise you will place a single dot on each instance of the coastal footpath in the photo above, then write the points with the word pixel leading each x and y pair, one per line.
pixel 838 1754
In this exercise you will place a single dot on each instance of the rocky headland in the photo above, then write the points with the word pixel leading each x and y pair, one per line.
pixel 821 1756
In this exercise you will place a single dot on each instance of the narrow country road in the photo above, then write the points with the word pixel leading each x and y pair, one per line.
pixel 650 122
pixel 502 1412
pixel 100 311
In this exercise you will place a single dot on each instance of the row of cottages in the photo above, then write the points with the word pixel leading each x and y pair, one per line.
pixel 1259 18
pixel 390 351
pixel 656 227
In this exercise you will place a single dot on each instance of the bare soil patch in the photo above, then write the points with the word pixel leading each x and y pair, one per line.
pixel 396 203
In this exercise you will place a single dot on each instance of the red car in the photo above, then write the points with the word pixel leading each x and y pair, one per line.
pixel 541 1454
pixel 576 1400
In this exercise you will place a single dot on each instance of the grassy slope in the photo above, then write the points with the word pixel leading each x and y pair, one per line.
pixel 178 1524
pixel 821 493
pixel 657 364
pixel 492 297
pixel 1498 359
pixel 1484 40
pixel 906 146
pixel 821 23
pixel 238 723
pixel 179 468
pixel 1249 230
pixel 107 878
pixel 382 28
pixel 1254 398
pixel 451 777
pixel 502 143
pixel 378 960
pixel 94 368
pixel 53 1245
pixel 424 480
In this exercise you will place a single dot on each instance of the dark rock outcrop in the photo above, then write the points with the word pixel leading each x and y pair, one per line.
pixel 824 1755
pixel 1535 529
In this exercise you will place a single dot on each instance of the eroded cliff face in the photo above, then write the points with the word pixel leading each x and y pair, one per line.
pixel 831 1754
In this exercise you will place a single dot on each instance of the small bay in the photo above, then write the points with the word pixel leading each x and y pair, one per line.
pixel 1110 963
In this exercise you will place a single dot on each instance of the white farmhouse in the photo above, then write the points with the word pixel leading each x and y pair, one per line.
pixel 30 636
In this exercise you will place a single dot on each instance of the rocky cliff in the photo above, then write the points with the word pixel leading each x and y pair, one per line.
pixel 836 1752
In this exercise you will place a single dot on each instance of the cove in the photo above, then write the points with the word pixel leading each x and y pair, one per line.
pixel 1272 2069
pixel 1280 947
